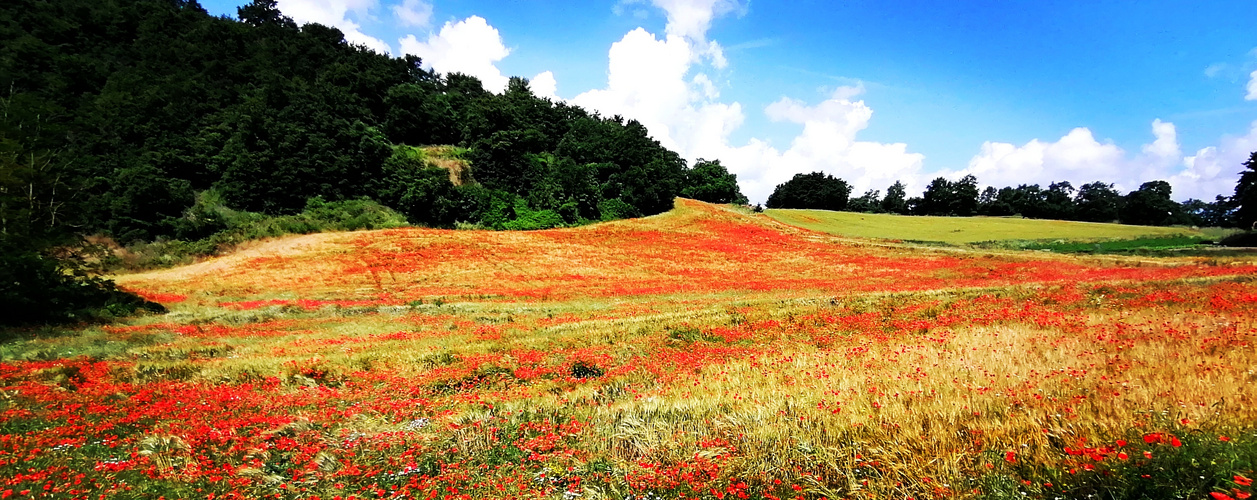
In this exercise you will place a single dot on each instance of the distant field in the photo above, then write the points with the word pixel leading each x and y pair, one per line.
pixel 959 230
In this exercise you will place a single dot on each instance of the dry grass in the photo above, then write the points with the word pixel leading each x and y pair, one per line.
pixel 696 350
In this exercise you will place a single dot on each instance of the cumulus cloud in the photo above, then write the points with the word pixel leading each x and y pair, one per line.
pixel 1215 170
pixel 413 13
pixel 692 18
pixel 1075 156
pixel 827 144
pixel 334 13
pixel 544 85
pixel 1079 158
pixel 1252 87
pixel 470 46
pixel 660 82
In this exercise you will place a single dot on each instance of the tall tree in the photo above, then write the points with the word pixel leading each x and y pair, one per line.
pixel 1097 202
pixel 869 202
pixel 711 182
pixel 1151 205
pixel 1245 197
pixel 944 197
pixel 896 201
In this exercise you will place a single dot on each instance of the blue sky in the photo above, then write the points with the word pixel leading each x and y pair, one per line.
pixel 871 91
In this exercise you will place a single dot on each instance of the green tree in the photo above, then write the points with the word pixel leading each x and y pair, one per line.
pixel 1245 198
pixel 816 190
pixel 1058 201
pixel 895 201
pixel 943 197
pixel 1097 202
pixel 1151 205
pixel 869 202
pixel 711 182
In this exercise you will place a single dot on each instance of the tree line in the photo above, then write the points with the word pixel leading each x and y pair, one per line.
pixel 123 117
pixel 1151 204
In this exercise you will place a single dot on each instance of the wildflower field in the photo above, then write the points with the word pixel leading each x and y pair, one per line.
pixel 702 353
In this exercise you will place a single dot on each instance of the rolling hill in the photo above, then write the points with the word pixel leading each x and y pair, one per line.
pixel 700 353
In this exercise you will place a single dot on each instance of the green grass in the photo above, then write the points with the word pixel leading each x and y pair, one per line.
pixel 964 230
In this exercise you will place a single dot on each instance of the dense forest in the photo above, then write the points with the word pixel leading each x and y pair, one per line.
pixel 147 120
pixel 1151 204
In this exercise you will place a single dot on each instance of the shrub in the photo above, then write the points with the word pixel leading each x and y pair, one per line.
pixel 37 288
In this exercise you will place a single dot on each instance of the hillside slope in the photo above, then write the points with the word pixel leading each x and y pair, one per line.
pixel 698 353
pixel 695 248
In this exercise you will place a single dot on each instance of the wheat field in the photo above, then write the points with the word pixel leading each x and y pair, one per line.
pixel 701 353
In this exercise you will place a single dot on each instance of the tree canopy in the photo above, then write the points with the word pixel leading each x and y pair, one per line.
pixel 121 114
pixel 816 190
pixel 156 101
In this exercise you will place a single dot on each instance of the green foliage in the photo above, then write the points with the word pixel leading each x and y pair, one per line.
pixel 944 197
pixel 711 182
pixel 816 190
pixel 1245 198
pixel 40 280
pixel 1098 202
pixel 869 202
pixel 1178 464
pixel 211 227
pixel 616 208
pixel 1244 239
pixel 1143 246
pixel 527 219
pixel 160 100
pixel 1151 205
pixel 38 288
pixel 896 201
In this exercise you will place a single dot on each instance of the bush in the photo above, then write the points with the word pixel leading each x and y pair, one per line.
pixel 36 288
pixel 1244 239
pixel 240 226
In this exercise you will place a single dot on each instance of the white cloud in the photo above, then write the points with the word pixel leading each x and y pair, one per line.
pixel 1215 69
pixel 544 85
pixel 1252 87
pixel 470 46
pixel 828 144
pixel 646 81
pixel 660 82
pixel 1215 170
pixel 1079 158
pixel 1074 157
pixel 1165 148
pixel 649 80
pixel 333 13
pixel 692 18
pixel 414 13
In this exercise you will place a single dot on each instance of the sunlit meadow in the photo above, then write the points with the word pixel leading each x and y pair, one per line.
pixel 702 353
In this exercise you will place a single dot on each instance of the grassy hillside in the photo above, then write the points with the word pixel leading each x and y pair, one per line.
pixel 958 230
pixel 700 353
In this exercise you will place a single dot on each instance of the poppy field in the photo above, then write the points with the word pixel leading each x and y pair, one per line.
pixel 702 353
